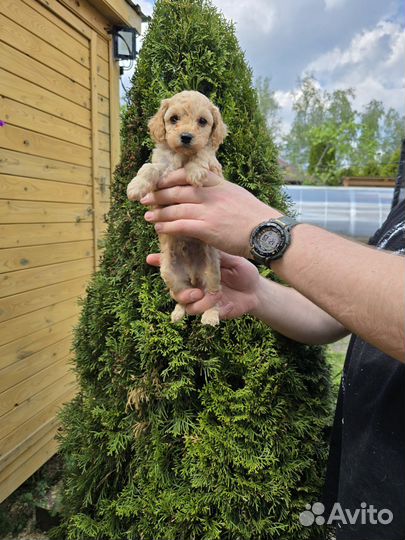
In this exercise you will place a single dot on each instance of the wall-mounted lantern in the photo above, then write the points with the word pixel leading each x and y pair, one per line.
pixel 124 43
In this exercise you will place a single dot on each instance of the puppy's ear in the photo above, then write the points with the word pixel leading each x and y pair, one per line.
pixel 219 129
pixel 156 124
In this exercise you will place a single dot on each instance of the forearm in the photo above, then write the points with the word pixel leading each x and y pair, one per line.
pixel 285 310
pixel 361 287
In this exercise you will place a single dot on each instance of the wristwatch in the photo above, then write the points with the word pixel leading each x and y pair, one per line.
pixel 270 239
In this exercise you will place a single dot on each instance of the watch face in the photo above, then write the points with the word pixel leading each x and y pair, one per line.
pixel 268 240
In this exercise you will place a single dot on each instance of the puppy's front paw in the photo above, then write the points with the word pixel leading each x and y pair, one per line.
pixel 195 175
pixel 210 317
pixel 178 313
pixel 137 188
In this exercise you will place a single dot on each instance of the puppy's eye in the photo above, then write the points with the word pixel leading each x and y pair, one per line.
pixel 174 119
pixel 202 121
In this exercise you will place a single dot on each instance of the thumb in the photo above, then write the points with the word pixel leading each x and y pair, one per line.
pixel 153 259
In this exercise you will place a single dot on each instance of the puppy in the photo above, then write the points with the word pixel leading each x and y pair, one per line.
pixel 188 130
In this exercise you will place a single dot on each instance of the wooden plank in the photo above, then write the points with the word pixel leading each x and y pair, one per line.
pixel 29 432
pixel 102 227
pixel 32 278
pixel 34 343
pixel 64 18
pixel 41 75
pixel 23 91
pixel 14 418
pixel 35 47
pixel 29 142
pixel 27 302
pixel 95 140
pixel 365 181
pixel 104 174
pixel 19 371
pixel 26 464
pixel 35 189
pixel 119 12
pixel 103 105
pixel 29 257
pixel 61 18
pixel 12 211
pixel 18 164
pixel 38 25
pixel 23 441
pixel 103 192
pixel 103 141
pixel 17 394
pixel 11 420
pixel 103 47
pixel 101 67
pixel 86 12
pixel 115 121
pixel 24 116
pixel 18 327
pixel 104 159
pixel 103 123
pixel 43 233
pixel 103 87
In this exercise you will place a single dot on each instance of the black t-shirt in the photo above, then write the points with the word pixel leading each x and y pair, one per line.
pixel 367 453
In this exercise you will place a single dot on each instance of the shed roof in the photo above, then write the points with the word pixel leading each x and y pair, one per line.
pixel 121 12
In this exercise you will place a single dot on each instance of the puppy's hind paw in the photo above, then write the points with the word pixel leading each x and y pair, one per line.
pixel 178 313
pixel 210 317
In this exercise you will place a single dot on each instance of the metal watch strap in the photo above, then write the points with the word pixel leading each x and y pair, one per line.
pixel 286 220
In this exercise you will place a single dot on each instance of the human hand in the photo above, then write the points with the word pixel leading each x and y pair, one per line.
pixel 221 215
pixel 240 281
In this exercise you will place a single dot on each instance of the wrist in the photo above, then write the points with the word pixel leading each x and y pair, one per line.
pixel 257 298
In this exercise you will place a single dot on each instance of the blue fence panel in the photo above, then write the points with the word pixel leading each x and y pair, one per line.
pixel 352 211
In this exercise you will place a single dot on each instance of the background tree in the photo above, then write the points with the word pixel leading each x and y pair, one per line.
pixel 269 107
pixel 187 431
pixel 392 132
pixel 368 142
pixel 320 141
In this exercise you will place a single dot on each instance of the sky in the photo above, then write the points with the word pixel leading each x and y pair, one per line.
pixel 357 44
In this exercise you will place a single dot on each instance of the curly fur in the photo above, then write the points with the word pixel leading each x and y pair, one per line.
pixel 185 262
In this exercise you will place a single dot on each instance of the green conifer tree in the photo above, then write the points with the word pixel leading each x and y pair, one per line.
pixel 183 432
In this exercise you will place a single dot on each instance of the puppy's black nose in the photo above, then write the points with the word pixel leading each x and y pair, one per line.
pixel 186 138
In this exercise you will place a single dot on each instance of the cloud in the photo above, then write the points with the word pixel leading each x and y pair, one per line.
pixel 371 64
pixel 345 43
pixel 332 4
pixel 250 14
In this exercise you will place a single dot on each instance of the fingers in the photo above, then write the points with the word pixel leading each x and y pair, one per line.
pixel 153 259
pixel 179 178
pixel 186 227
pixel 188 296
pixel 206 302
pixel 176 178
pixel 173 195
pixel 173 213
pixel 229 261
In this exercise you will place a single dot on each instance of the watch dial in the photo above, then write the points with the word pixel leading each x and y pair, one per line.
pixel 269 240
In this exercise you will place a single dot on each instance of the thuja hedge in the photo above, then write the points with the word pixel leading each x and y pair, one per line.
pixel 184 431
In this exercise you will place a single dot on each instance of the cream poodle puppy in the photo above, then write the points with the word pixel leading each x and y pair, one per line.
pixel 188 130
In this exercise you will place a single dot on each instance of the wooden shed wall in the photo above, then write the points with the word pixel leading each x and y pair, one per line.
pixel 59 98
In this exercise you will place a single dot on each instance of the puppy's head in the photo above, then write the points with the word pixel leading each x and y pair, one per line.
pixel 188 122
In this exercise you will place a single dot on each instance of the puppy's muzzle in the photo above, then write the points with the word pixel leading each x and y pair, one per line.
pixel 186 138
